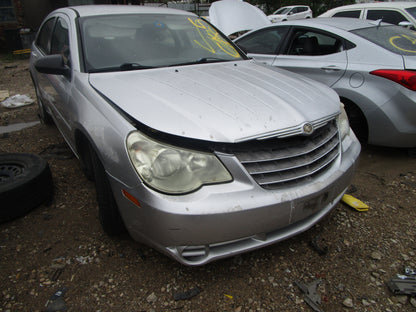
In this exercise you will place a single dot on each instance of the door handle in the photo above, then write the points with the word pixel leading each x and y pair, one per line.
pixel 331 68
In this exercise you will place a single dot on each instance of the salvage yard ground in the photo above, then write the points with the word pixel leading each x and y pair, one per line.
pixel 61 246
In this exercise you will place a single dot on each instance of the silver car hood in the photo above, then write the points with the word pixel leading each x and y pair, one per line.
pixel 231 16
pixel 220 102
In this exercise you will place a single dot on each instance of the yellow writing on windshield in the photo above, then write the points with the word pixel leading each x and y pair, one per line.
pixel 404 43
pixel 211 39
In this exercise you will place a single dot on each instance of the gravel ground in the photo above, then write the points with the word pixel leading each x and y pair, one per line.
pixel 60 246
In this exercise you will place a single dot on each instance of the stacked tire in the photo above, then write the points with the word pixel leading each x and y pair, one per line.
pixel 25 183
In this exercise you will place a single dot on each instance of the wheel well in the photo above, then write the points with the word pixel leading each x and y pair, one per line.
pixel 357 120
pixel 82 145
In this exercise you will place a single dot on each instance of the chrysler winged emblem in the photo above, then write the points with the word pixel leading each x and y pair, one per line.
pixel 307 128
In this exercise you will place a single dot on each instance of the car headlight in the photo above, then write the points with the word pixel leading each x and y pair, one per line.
pixel 343 124
pixel 171 169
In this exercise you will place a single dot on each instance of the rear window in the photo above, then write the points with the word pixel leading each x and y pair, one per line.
pixel 393 38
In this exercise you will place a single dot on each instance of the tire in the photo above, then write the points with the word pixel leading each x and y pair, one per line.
pixel 25 183
pixel 358 122
pixel 108 212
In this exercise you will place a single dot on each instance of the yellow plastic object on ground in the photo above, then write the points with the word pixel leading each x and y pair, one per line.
pixel 24 51
pixel 354 203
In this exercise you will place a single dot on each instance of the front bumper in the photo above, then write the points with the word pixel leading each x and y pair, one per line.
pixel 218 221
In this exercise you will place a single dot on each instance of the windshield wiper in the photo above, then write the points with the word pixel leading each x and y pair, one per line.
pixel 211 60
pixel 122 67
pixel 133 66
pixel 203 60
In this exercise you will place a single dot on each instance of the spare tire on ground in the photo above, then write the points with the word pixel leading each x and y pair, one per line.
pixel 25 183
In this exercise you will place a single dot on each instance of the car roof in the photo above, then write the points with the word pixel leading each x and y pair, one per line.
pixel 292 6
pixel 393 5
pixel 343 23
pixel 94 10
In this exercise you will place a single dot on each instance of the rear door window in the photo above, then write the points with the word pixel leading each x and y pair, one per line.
pixel 354 14
pixel 388 16
pixel 310 42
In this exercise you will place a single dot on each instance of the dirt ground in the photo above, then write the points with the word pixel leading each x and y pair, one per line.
pixel 60 245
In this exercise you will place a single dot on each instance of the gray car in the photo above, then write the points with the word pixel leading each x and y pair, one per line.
pixel 194 149
pixel 369 64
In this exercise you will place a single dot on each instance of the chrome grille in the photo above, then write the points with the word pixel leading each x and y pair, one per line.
pixel 274 162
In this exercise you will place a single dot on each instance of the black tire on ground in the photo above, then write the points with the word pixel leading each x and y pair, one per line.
pixel 25 183
pixel 108 212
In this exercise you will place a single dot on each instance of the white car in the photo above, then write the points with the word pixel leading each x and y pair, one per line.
pixel 289 13
pixel 398 13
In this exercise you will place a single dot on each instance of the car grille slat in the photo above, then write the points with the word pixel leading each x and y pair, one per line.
pixel 278 161
pixel 262 167
pixel 289 152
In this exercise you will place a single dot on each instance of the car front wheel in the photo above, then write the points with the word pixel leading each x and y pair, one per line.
pixel 109 214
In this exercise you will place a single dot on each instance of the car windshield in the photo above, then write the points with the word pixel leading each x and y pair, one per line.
pixel 412 11
pixel 396 39
pixel 142 41
pixel 282 11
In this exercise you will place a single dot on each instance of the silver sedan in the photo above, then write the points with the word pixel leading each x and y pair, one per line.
pixel 369 64
pixel 194 149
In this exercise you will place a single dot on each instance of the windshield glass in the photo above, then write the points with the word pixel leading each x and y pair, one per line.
pixel 282 11
pixel 129 42
pixel 412 11
pixel 396 39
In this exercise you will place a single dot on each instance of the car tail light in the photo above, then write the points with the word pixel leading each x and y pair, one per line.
pixel 406 78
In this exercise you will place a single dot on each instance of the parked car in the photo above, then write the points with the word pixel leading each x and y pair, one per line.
pixel 289 13
pixel 236 16
pixel 403 13
pixel 370 65
pixel 196 150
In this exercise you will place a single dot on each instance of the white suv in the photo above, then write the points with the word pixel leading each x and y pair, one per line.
pixel 399 13
pixel 289 13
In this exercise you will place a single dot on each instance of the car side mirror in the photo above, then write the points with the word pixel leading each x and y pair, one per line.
pixel 407 24
pixel 290 13
pixel 53 64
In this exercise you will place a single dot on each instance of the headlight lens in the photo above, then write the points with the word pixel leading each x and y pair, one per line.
pixel 343 124
pixel 171 169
